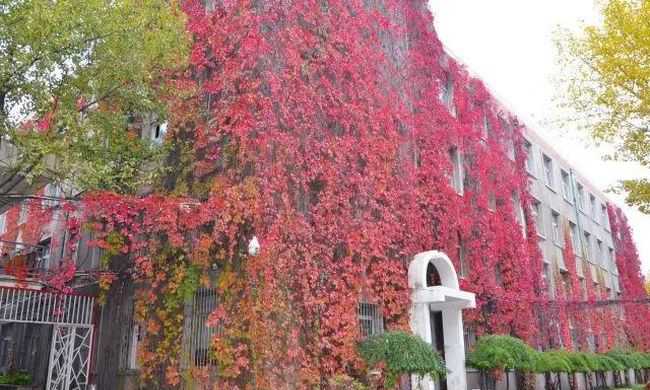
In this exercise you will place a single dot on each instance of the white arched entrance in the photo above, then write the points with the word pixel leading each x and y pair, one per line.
pixel 442 300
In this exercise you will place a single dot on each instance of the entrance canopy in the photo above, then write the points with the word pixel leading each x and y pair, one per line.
pixel 434 288
pixel 445 295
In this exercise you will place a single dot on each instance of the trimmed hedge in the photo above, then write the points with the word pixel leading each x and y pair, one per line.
pixel 500 352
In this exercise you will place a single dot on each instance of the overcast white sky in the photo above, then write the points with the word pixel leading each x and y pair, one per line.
pixel 509 44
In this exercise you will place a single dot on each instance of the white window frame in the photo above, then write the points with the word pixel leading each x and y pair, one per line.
pixel 549 174
pixel 538 211
pixel 3 223
pixel 556 227
pixel 581 197
pixel 566 185
pixel 530 157
pixel 457 174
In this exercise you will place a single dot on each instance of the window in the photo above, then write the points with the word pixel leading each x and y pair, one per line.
pixel 581 197
pixel 498 275
pixel 509 143
pixel 592 207
pixel 588 246
pixel 3 223
pixel 53 193
pixel 136 338
pixel 566 185
pixel 492 201
pixel 599 253
pixel 469 334
pixel 519 212
pixel 555 222
pixel 43 254
pixel 530 157
pixel 486 130
pixel 457 170
pixel 461 255
pixel 24 210
pixel 548 171
pixel 18 249
pixel 371 322
pixel 610 259
pixel 203 304
pixel 573 231
pixel 546 276
pixel 604 219
pixel 447 94
pixel 539 217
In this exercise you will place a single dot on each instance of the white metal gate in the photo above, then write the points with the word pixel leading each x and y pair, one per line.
pixel 69 358
pixel 72 330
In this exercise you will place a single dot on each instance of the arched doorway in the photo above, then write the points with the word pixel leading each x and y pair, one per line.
pixel 436 313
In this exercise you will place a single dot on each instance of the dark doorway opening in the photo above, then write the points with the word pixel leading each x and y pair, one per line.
pixel 438 342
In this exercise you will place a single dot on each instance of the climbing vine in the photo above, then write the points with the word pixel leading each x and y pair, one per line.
pixel 339 133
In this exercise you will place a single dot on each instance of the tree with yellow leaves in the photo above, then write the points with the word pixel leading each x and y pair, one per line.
pixel 607 79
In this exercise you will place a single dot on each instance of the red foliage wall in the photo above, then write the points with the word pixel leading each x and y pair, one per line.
pixel 637 311
pixel 324 129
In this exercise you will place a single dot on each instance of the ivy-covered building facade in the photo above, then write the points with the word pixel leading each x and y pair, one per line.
pixel 317 148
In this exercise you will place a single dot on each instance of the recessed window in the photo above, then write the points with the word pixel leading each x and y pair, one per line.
pixel 599 253
pixel 447 93
pixel 581 197
pixel 566 185
pixel 588 246
pixel 592 207
pixel 3 223
pixel 519 212
pixel 604 220
pixel 555 223
pixel 548 171
pixel 486 129
pixel 371 322
pixel 530 157
pixel 461 254
pixel 43 254
pixel 539 217
pixel 509 144
pixel 457 170
pixel 573 231
pixel 24 210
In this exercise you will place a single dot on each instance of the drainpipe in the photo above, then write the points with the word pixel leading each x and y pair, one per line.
pixel 576 207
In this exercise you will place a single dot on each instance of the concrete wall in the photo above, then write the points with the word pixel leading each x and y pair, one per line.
pixel 554 198
pixel 473 381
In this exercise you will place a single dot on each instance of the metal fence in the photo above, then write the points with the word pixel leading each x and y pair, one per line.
pixel 38 307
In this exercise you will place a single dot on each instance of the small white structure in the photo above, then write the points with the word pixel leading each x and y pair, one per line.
pixel 441 297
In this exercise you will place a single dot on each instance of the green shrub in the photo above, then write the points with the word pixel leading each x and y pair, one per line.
pixel 501 352
pixel 16 378
pixel 401 353
pixel 553 361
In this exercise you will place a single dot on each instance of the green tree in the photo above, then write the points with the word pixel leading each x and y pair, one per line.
pixel 71 76
pixel 608 85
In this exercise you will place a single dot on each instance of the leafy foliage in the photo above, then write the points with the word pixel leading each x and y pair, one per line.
pixel 402 353
pixel 342 180
pixel 609 86
pixel 71 76
pixel 16 378
pixel 502 352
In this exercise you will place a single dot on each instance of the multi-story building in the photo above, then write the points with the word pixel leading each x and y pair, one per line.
pixel 67 340
pixel 565 206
